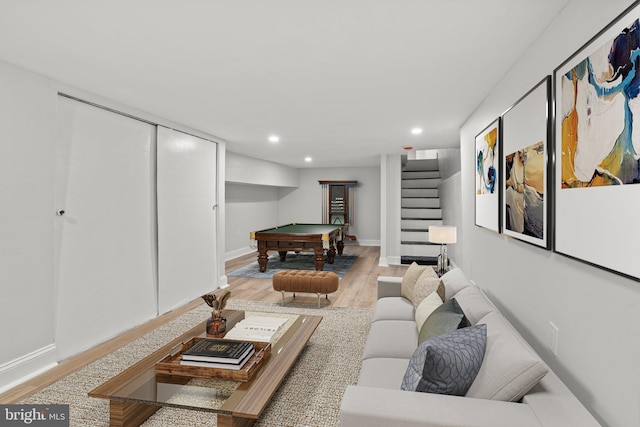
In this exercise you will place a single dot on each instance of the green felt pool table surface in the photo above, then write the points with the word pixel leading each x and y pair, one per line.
pixel 303 229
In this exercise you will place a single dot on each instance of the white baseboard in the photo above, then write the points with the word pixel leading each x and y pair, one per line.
pixel 222 281
pixel 238 252
pixel 368 242
pixel 26 367
pixel 394 260
pixel 382 262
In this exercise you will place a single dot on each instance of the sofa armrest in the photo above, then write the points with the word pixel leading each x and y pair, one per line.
pixel 389 286
pixel 378 407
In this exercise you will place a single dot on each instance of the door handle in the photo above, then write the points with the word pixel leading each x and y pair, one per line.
pixel 60 212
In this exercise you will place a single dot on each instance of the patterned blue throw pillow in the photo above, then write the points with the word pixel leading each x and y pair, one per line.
pixel 447 363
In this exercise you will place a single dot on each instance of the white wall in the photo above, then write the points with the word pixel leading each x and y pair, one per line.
pixel 390 220
pixel 304 204
pixel 448 162
pixel 27 261
pixel 451 202
pixel 249 170
pixel 249 208
pixel 27 305
pixel 596 311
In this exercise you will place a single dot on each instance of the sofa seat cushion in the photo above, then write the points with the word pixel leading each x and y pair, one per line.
pixel 510 367
pixel 391 338
pixel 393 308
pixel 382 372
pixel 474 304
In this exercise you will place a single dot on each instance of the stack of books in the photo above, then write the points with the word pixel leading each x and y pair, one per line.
pixel 212 353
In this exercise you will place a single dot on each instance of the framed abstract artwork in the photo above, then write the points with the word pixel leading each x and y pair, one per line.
pixel 597 154
pixel 487 177
pixel 526 198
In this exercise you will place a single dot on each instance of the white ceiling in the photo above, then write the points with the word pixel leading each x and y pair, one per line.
pixel 341 81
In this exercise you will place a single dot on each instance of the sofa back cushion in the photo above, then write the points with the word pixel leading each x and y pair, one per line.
pixel 474 304
pixel 510 367
pixel 454 281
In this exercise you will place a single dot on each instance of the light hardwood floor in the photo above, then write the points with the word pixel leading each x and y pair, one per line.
pixel 357 289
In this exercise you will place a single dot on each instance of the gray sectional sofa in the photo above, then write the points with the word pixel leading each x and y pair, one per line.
pixel 514 387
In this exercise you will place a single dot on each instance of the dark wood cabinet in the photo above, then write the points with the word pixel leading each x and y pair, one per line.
pixel 338 204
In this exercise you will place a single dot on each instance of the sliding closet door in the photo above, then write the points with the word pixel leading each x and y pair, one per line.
pixel 105 226
pixel 186 218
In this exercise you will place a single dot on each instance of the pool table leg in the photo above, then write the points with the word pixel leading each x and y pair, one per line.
pixel 340 246
pixel 331 254
pixel 283 255
pixel 263 258
pixel 319 258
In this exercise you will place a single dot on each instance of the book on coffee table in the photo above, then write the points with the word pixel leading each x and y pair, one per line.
pixel 256 328
pixel 218 351
pixel 233 366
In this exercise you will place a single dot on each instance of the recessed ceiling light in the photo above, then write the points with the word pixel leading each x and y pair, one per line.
pixel 416 131
pixel 307 159
pixel 274 138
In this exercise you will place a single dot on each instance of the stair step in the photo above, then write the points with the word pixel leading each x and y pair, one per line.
pixel 420 203
pixel 420 260
pixel 420 213
pixel 419 192
pixel 420 174
pixel 419 224
pixel 421 183
pixel 410 236
pixel 421 165
pixel 419 250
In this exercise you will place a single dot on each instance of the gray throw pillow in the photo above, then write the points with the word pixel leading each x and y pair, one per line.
pixel 448 363
pixel 446 318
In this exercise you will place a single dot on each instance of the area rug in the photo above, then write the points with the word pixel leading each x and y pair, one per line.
pixel 300 261
pixel 309 396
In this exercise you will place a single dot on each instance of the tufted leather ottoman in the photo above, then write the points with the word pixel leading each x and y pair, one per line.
pixel 307 281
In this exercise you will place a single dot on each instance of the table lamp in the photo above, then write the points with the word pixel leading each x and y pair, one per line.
pixel 442 234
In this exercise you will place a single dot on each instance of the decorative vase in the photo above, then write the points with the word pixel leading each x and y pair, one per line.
pixel 216 324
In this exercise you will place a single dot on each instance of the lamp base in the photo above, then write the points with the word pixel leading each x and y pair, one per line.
pixel 443 261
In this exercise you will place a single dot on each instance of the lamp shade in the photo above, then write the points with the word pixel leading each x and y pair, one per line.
pixel 442 234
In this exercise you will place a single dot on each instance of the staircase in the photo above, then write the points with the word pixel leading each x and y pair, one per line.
pixel 420 206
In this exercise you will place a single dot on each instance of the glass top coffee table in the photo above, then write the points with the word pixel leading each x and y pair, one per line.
pixel 138 392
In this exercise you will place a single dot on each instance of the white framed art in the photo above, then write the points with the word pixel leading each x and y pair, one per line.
pixel 526 198
pixel 487 176
pixel 597 155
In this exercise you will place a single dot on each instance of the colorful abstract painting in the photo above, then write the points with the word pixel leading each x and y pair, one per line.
pixel 525 168
pixel 486 162
pixel 524 190
pixel 601 115
pixel 487 177
pixel 597 151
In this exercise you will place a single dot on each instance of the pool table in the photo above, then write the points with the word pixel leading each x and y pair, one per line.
pixel 299 238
